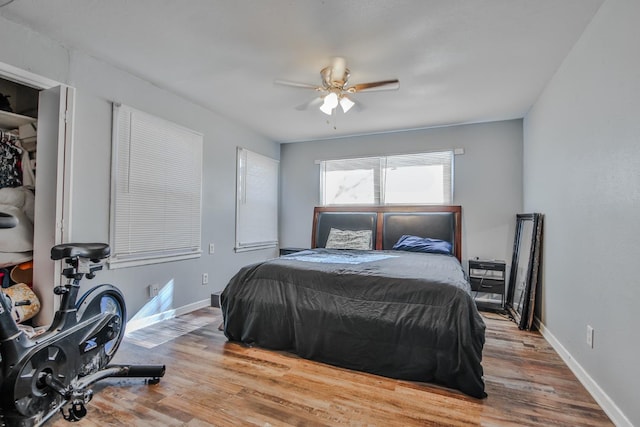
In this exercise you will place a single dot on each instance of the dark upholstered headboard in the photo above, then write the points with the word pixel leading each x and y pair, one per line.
pixel 388 223
pixel 344 221
pixel 436 225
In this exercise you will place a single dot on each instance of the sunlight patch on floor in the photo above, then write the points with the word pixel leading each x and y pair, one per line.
pixel 167 330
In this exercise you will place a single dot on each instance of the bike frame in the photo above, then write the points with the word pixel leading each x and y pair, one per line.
pixel 14 342
pixel 65 332
pixel 40 375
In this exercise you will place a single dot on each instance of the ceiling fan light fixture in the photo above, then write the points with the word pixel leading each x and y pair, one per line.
pixel 346 103
pixel 335 88
pixel 330 102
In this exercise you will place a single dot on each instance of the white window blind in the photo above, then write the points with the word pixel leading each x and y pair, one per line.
pixel 424 178
pixel 155 191
pixel 256 201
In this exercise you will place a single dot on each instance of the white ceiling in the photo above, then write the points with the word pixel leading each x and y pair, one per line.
pixel 458 61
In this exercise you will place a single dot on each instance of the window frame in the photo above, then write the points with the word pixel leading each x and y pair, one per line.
pixel 380 177
pixel 256 218
pixel 187 145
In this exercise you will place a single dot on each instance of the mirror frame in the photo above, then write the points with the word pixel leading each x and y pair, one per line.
pixel 525 266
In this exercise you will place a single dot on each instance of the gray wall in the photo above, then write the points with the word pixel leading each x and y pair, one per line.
pixel 488 180
pixel 97 85
pixel 582 169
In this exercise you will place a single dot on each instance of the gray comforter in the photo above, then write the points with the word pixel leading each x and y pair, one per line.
pixel 397 314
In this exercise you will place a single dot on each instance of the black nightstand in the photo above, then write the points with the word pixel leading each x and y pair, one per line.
pixel 488 277
pixel 287 251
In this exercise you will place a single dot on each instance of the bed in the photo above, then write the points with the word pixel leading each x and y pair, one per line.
pixel 396 313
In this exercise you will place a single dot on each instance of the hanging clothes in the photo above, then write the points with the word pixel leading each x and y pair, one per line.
pixel 28 174
pixel 10 161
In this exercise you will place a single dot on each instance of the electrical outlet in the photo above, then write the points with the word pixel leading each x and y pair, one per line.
pixel 205 278
pixel 590 336
pixel 211 248
pixel 154 290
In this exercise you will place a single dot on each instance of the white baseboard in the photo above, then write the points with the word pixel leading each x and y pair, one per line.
pixel 136 324
pixel 608 405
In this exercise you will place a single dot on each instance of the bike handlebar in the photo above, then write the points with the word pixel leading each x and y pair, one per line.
pixel 7 220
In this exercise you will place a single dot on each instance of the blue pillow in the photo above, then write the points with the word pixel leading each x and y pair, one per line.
pixel 422 244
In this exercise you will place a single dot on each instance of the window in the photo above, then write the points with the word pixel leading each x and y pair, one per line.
pixel 256 201
pixel 424 178
pixel 155 191
pixel 350 181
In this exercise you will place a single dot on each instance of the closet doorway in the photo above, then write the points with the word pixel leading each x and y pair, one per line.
pixel 51 151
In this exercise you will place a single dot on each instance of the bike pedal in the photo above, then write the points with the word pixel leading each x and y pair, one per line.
pixel 76 412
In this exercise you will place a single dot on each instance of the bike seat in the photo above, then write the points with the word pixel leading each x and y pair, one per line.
pixel 94 251
pixel 7 220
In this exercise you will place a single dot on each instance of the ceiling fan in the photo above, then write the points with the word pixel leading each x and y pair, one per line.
pixel 335 89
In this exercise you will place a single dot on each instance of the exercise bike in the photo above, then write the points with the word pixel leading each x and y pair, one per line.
pixel 53 371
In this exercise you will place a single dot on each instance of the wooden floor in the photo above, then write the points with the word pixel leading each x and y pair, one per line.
pixel 210 381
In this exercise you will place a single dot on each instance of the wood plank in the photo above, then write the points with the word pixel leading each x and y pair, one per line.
pixel 210 381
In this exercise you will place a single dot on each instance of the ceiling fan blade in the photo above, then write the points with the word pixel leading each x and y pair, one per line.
pixel 296 84
pixel 374 86
pixel 314 102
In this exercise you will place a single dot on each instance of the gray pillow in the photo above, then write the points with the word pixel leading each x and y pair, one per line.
pixel 349 239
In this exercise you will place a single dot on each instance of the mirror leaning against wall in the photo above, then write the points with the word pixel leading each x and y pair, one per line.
pixel 525 269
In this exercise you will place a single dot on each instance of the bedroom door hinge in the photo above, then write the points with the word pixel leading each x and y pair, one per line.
pixel 66 116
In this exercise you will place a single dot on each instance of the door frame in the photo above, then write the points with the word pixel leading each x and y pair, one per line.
pixel 63 202
pixel 27 78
